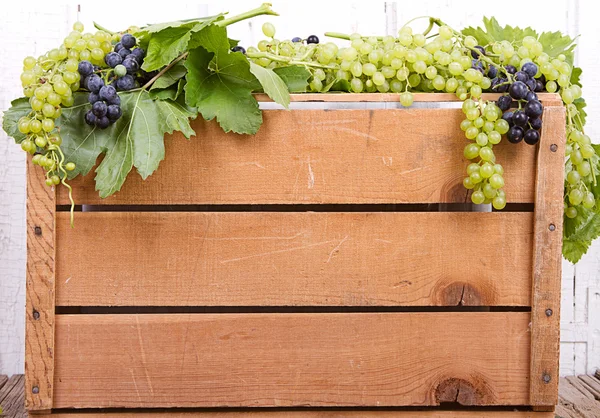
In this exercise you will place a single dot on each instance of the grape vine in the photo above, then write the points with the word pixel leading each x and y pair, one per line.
pixel 91 95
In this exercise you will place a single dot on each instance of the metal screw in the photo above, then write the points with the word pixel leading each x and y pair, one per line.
pixel 553 147
pixel 38 230
pixel 36 315
pixel 551 227
pixel 35 390
pixel 546 378
pixel 549 312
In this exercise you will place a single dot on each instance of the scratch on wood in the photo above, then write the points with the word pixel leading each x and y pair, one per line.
pixel 311 175
pixel 231 260
pixel 143 353
pixel 337 248
pixel 387 161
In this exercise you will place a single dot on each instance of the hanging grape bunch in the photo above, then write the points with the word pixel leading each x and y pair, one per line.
pixel 123 62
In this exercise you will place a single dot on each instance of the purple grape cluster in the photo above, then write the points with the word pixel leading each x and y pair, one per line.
pixel 125 62
pixel 521 107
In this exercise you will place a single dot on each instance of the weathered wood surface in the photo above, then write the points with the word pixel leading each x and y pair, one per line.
pixel 316 156
pixel 39 318
pixel 365 359
pixel 309 414
pixel 12 396
pixel 547 259
pixel 578 397
pixel 310 259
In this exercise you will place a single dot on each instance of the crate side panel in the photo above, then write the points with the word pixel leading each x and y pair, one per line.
pixel 345 359
pixel 297 259
pixel 318 156
pixel 323 413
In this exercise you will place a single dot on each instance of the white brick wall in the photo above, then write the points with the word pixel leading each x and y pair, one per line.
pixel 43 26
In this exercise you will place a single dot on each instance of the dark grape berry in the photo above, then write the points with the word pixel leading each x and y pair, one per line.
pixel 131 65
pixel 114 101
pixel 531 84
pixel 520 118
pixel 99 109
pixel 127 82
pixel 480 51
pixel 138 54
pixel 128 41
pixel 535 123
pixel 296 39
pixel 113 112
pixel 94 83
pixel 478 65
pixel 504 102
pixel 531 96
pixel 112 59
pixel 534 109
pixel 518 90
pixel 94 97
pixel 508 116
pixel 238 49
pixel 515 134
pixel 118 46
pixel 123 52
pixel 539 86
pixel 502 86
pixel 90 118
pixel 102 122
pixel 312 39
pixel 85 68
pixel 492 71
pixel 531 136
pixel 107 93
pixel 510 69
pixel 530 68
pixel 521 76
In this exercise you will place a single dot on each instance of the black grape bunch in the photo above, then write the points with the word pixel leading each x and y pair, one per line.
pixel 521 107
pixel 124 64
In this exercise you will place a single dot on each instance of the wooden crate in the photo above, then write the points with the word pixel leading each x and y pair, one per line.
pixel 303 269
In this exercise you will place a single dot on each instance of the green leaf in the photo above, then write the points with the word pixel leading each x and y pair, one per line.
pixel 272 84
pixel 168 43
pixel 220 84
pixel 580 105
pixel 576 76
pixel 137 138
pixel 494 32
pixel 295 77
pixel 341 85
pixel 170 77
pixel 574 250
pixel 155 28
pixel 18 108
pixel 555 43
pixel 171 92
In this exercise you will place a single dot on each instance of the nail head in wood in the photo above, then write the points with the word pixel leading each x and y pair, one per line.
pixel 36 315
pixel 552 227
pixel 38 230
pixel 553 147
pixel 546 378
pixel 35 390
pixel 549 312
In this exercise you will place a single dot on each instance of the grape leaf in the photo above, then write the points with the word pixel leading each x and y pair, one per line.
pixel 295 77
pixel 170 77
pixel 172 92
pixel 220 84
pixel 341 85
pixel 576 76
pixel 168 43
pixel 18 108
pixel 137 138
pixel 155 28
pixel 272 84
pixel 555 43
pixel 580 105
pixel 494 32
pixel 574 250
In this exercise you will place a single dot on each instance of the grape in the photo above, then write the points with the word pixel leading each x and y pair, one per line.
pixel 575 197
pixel 478 197
pixel 90 118
pixel 236 48
pixel 94 83
pixel 519 118
pixel 504 102
pixel 112 60
pixel 296 39
pixel 533 109
pixel 531 137
pixel 518 90
pixel 515 134
pixel 521 76
pixel 268 29
pixel 139 53
pixel 589 200
pixel 123 52
pixel 113 112
pixel 130 65
pixel 107 93
pixel 406 99
pixel 312 39
pixel 499 202
pixel 128 41
pixel 120 70
pixel 496 181
pixel 535 123
pixel 126 82
pixel 471 151
pixel 99 109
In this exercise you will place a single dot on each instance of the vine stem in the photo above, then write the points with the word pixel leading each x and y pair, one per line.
pixel 286 60
pixel 100 27
pixel 164 70
pixel 264 9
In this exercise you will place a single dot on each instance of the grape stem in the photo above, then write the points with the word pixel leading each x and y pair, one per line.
pixel 264 9
pixel 164 70
pixel 337 35
pixel 286 60
pixel 100 27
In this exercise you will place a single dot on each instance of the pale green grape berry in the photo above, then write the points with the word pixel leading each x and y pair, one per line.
pixel 40 141
pixel 567 96
pixel 471 151
pixel 478 197
pixel 489 192
pixel 35 126
pixel 499 202
pixel 486 170
pixel 78 26
pixel 551 86
pixel 575 197
pixel 488 126
pixel 584 169
pixel 70 166
pixel 48 110
pixel 473 168
pixel 494 137
pixel 378 78
pixel 587 151
pixel 471 132
pixel 445 32
pixel 465 124
pixel 47 124
pixel 478 123
pixel 357 85
pixel 486 154
pixel 589 200
pixel 475 178
pixel 481 139
pixel 573 177
pixel 406 99
pixel 23 125
pixel 576 157
pixel 467 183
pixel 498 169
pixel 268 29
pixel 497 181
pixel 571 212
pixel 501 126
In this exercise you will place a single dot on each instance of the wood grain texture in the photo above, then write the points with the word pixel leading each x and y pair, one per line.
pixel 548 99
pixel 547 259
pixel 12 397
pixel 310 259
pixel 308 414
pixel 39 318
pixel 363 359
pixel 316 156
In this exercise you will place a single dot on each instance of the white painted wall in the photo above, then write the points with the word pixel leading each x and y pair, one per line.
pixel 44 24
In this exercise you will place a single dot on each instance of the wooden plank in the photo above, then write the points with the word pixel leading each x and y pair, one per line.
pixel 309 414
pixel 591 384
pixel 547 258
pixel 3 380
pixel 316 156
pixel 577 384
pixel 362 359
pixel 575 403
pixel 277 259
pixel 12 397
pixel 39 318
pixel 548 99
